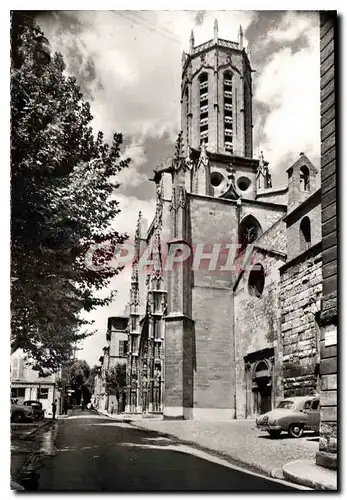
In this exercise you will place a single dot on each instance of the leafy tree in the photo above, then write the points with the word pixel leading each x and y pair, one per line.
pixel 116 380
pixel 77 376
pixel 63 179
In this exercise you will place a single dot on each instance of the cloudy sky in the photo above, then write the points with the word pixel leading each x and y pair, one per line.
pixel 128 64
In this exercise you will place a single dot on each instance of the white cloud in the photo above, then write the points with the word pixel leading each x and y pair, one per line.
pixel 289 84
pixel 125 222
pixel 293 25
pixel 137 60
pixel 134 88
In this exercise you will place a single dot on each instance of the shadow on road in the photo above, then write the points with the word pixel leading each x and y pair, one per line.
pixel 93 454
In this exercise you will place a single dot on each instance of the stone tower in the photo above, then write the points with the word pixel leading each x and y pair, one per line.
pixel 216 96
pixel 302 181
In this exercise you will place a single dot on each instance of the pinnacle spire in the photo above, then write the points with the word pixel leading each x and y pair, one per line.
pixel 191 42
pixel 215 29
pixel 241 37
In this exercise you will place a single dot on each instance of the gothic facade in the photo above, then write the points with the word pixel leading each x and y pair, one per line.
pixel 224 315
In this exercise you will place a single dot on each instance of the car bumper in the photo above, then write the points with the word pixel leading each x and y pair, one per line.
pixel 268 427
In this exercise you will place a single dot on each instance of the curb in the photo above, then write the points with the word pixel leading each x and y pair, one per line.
pixel 305 480
pixel 123 420
pixel 274 474
pixel 31 433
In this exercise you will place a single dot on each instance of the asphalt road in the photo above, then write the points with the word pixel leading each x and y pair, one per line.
pixel 88 452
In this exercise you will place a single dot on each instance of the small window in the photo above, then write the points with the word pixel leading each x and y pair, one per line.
pixel 203 77
pixel 243 183
pixel 249 231
pixel 18 392
pixel 307 405
pixel 133 323
pixel 158 329
pixel 305 234
pixel 216 179
pixel 123 348
pixel 42 393
pixel 315 404
pixel 287 405
pixel 256 281
pixel 304 179
pixel 290 172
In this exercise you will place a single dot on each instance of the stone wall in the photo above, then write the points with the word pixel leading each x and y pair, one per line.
pixel 328 369
pixel 273 196
pixel 300 294
pixel 311 209
pixel 274 238
pixel 212 221
pixel 256 323
pixel 267 214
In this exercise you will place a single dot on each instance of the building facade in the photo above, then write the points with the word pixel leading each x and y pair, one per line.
pixel 26 384
pixel 327 455
pixel 226 280
pixel 114 353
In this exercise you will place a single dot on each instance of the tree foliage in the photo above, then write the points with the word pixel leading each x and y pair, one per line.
pixel 116 379
pixel 77 376
pixel 63 178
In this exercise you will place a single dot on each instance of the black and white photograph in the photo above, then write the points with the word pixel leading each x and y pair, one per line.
pixel 173 250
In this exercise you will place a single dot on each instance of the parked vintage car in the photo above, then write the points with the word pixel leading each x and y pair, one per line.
pixel 36 406
pixel 21 413
pixel 292 415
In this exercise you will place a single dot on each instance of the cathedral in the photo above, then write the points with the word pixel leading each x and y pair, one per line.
pixel 227 278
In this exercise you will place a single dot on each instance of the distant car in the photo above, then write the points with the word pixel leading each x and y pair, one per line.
pixel 292 415
pixel 21 413
pixel 36 406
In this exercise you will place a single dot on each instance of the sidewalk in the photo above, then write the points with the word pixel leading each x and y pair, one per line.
pixel 25 441
pixel 130 417
pixel 307 473
pixel 245 445
pixel 239 440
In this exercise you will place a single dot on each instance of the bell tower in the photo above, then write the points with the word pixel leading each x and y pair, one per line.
pixel 216 96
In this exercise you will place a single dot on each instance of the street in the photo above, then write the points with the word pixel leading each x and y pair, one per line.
pixel 88 452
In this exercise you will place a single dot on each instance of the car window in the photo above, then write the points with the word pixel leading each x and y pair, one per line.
pixel 307 405
pixel 315 404
pixel 288 405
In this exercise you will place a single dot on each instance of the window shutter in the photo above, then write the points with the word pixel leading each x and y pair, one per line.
pixel 21 369
pixel 121 348
pixel 14 368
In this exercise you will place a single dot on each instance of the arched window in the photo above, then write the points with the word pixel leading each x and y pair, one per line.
pixel 304 179
pixel 249 231
pixel 203 83
pixel 305 234
pixel 228 110
pixel 256 280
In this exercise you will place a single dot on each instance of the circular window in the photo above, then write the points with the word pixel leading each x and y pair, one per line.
pixel 256 281
pixel 216 179
pixel 243 183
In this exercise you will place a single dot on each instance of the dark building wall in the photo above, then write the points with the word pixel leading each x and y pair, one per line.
pixel 311 209
pixel 211 222
pixel 214 368
pixel 328 368
pixel 300 294
pixel 275 237
pixel 266 214
pixel 256 328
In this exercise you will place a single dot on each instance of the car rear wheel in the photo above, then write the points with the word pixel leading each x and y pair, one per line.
pixel 274 433
pixel 295 430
